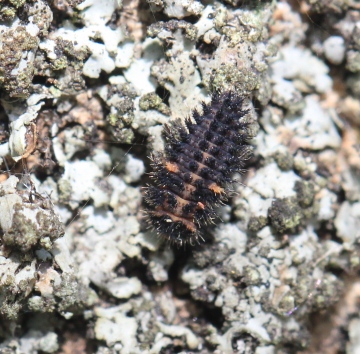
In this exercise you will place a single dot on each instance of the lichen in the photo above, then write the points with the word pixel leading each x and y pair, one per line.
pixel 239 60
pixel 257 223
pixel 159 29
pixel 285 215
pixel 284 160
pixel 120 100
pixel 9 8
pixel 11 79
pixel 153 101
pixel 305 193
pixel 19 45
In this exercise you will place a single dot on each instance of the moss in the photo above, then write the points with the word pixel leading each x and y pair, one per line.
pixel 23 233
pixel 353 82
pixel 19 46
pixel 66 47
pixel 286 304
pixel 7 13
pixel 17 3
pixel 69 61
pixel 355 260
pixel 213 254
pixel 328 293
pixel 124 135
pixel 65 190
pixel 68 296
pixel 51 227
pixel 40 304
pixel 254 20
pixel 239 60
pixel 74 3
pixel 285 215
pixel 221 18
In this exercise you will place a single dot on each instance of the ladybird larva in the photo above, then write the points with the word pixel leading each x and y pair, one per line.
pixel 193 174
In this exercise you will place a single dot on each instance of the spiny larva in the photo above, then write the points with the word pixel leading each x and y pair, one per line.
pixel 193 174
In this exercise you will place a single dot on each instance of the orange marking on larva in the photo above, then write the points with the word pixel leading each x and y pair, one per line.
pixel 189 224
pixel 216 189
pixel 201 205
pixel 171 167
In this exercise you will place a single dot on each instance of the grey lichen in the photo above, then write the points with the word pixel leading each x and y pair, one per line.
pixel 30 221
pixel 240 58
pixel 178 9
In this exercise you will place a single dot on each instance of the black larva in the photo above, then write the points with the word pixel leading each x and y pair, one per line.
pixel 193 174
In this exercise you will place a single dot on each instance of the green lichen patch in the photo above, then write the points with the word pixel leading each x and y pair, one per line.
pixel 353 61
pixel 285 215
pixel 211 255
pixel 9 8
pixel 70 295
pixel 153 101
